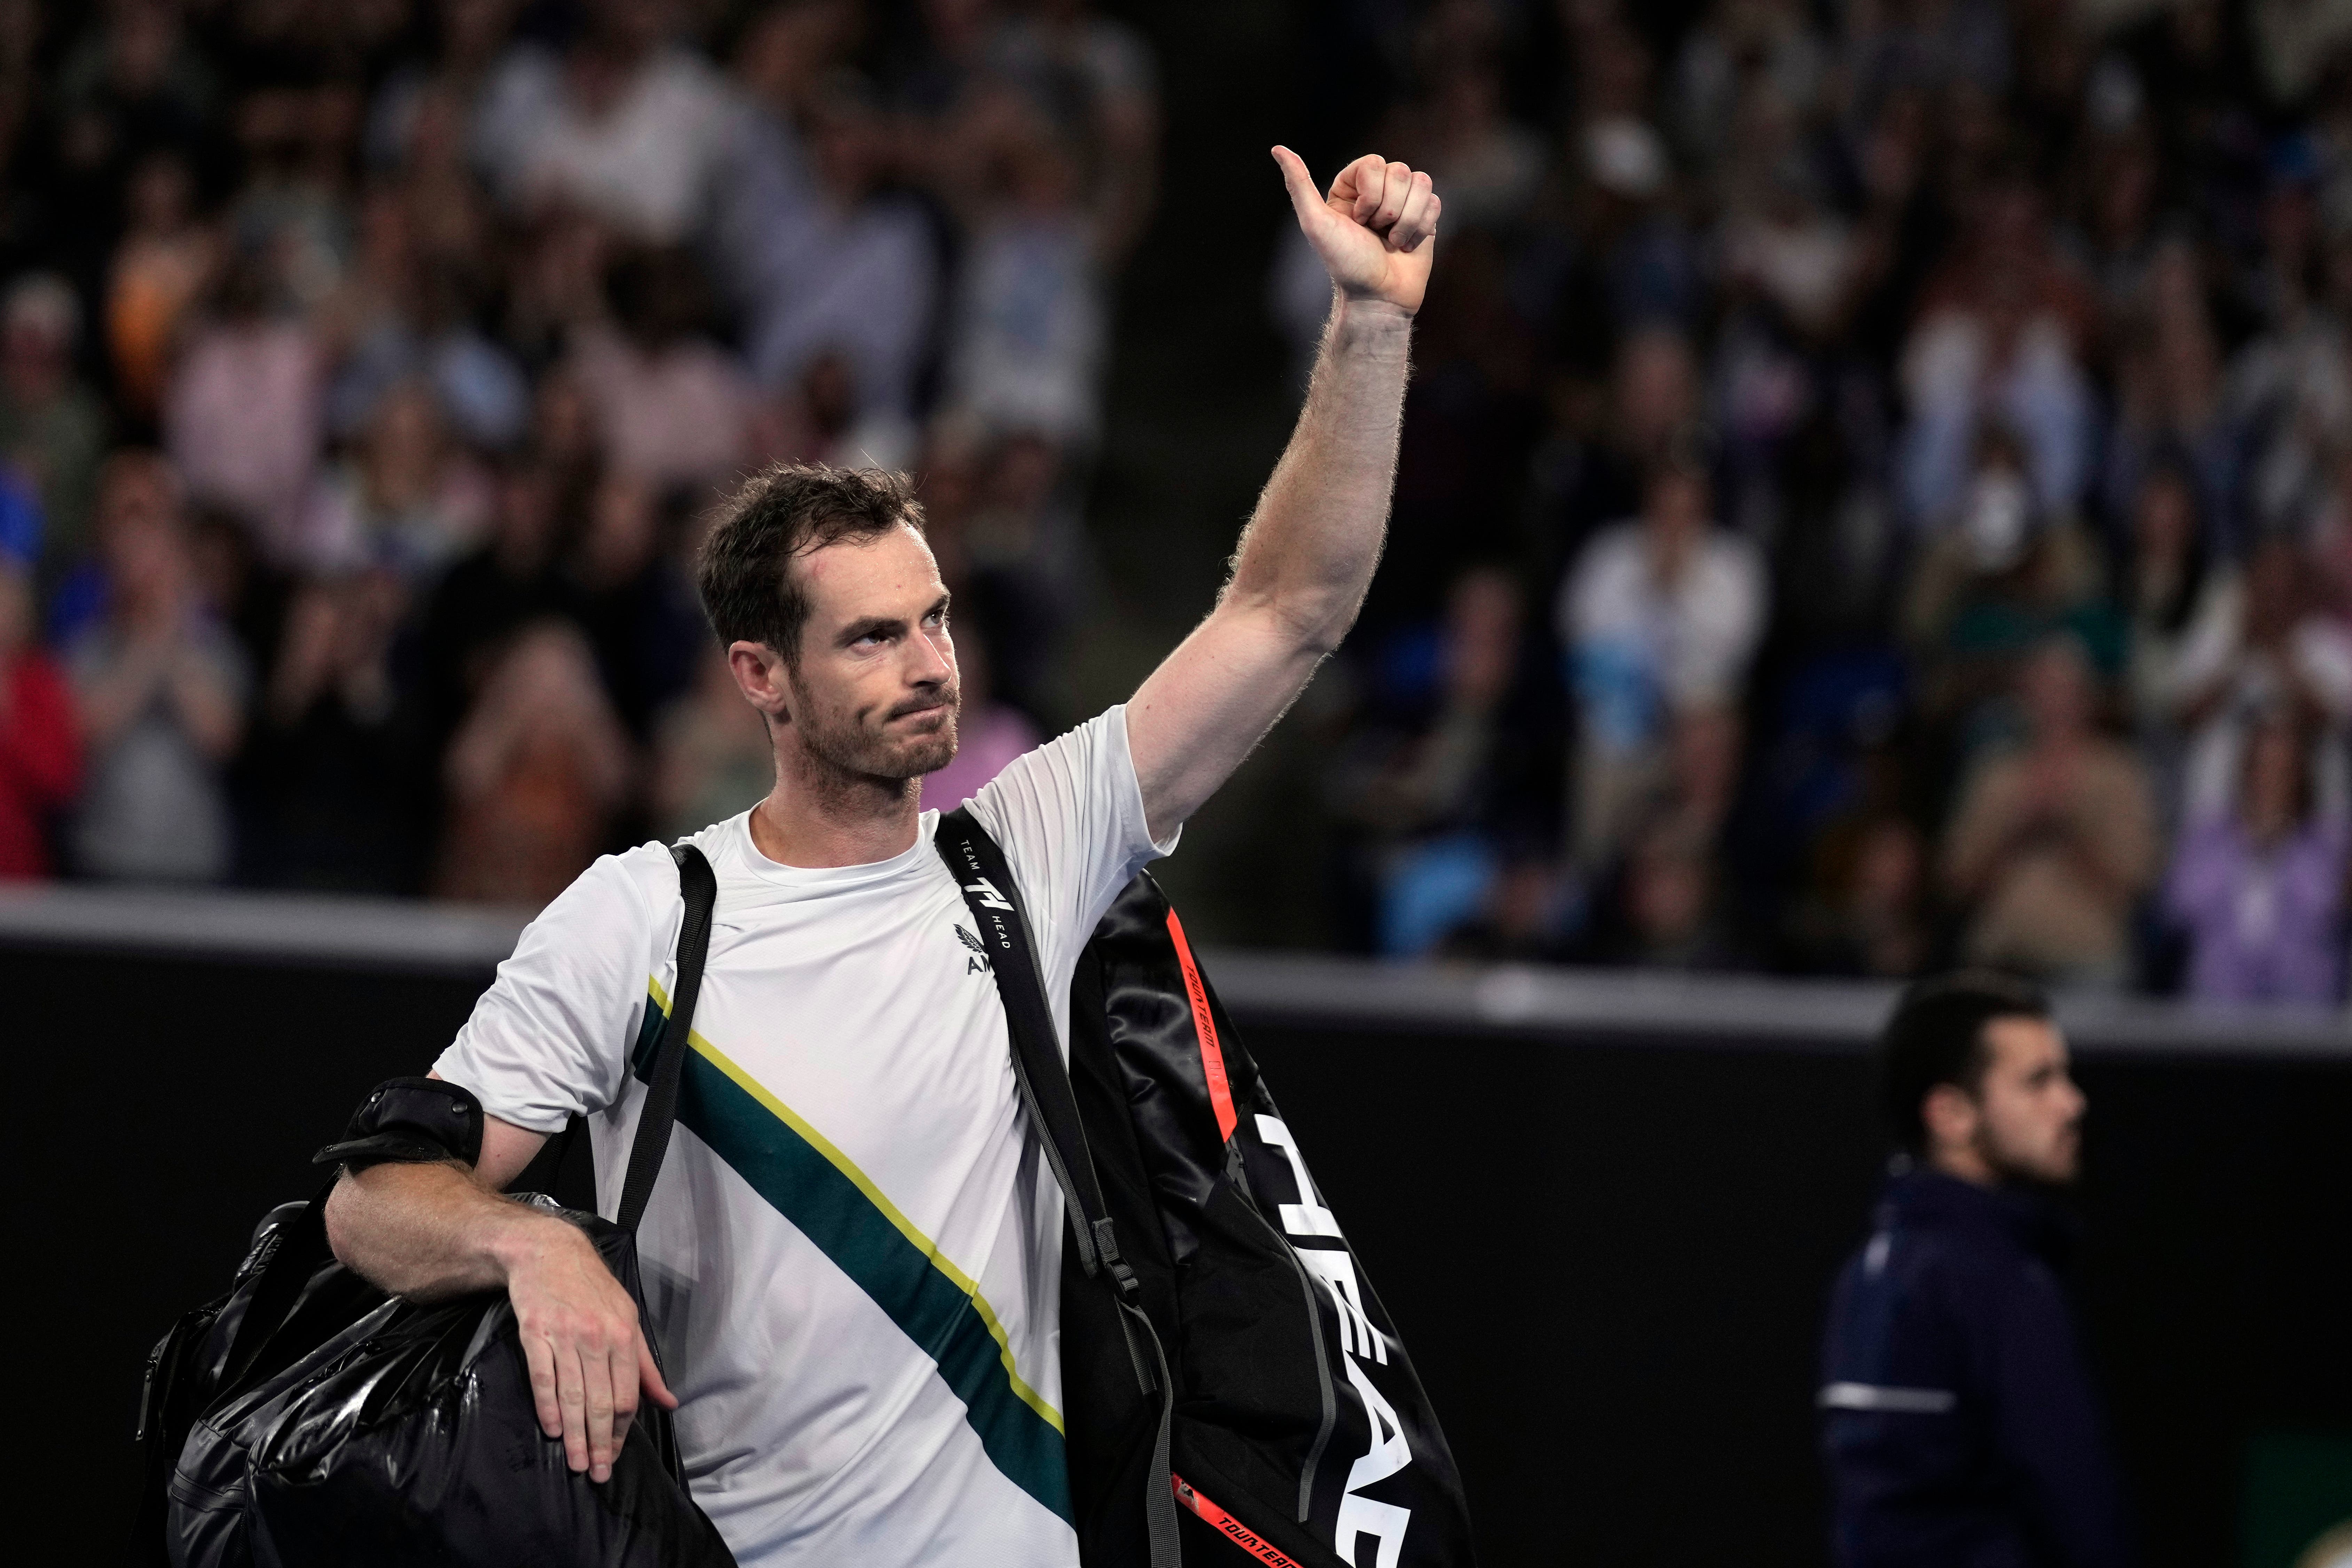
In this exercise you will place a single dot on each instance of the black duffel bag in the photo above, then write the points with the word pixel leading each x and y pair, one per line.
pixel 1229 1377
pixel 309 1420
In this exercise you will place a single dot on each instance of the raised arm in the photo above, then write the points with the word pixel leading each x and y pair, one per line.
pixel 1307 554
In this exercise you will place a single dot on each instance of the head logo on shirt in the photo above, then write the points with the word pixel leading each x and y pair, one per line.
pixel 978 962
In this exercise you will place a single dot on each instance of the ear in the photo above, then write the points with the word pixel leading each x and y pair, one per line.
pixel 761 676
pixel 1950 1117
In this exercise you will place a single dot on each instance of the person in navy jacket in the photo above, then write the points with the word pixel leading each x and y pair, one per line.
pixel 1958 1417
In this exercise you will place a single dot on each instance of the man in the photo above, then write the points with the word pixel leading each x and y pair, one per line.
pixel 872 1103
pixel 1959 1420
pixel 2053 844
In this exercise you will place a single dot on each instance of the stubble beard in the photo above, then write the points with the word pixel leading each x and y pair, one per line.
pixel 844 755
pixel 2057 1165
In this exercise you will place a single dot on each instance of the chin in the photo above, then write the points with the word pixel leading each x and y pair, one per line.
pixel 926 755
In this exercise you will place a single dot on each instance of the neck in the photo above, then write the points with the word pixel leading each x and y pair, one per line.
pixel 1966 1163
pixel 822 816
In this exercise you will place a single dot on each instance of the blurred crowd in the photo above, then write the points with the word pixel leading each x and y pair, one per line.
pixel 366 367
pixel 1876 488
pixel 1877 491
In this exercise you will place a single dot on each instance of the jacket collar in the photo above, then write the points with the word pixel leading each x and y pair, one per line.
pixel 1916 1197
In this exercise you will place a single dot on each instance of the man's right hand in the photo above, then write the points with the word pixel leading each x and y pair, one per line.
pixel 579 1333
pixel 430 1232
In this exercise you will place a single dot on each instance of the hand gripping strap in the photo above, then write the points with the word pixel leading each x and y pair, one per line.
pixel 699 888
pixel 985 877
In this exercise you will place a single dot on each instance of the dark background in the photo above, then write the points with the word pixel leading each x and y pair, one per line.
pixel 1609 1255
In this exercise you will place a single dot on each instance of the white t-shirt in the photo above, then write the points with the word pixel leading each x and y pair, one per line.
pixel 853 1256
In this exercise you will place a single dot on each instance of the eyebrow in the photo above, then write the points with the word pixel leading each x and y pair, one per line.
pixel 872 625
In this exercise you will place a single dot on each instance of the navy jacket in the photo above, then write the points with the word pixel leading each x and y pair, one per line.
pixel 1957 1414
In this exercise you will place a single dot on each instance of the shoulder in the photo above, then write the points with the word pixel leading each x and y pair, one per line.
pixel 1617 545
pixel 1959 1272
pixel 1612 558
pixel 1734 556
pixel 618 898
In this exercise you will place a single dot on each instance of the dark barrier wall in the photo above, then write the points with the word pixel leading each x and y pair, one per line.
pixel 1608 1251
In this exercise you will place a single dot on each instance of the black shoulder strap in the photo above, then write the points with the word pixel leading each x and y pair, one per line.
pixel 700 888
pixel 980 870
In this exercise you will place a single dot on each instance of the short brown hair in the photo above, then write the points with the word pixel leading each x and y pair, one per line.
pixel 1936 1035
pixel 786 511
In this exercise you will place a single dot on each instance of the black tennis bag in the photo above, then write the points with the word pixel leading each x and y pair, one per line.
pixel 309 1420
pixel 1230 1379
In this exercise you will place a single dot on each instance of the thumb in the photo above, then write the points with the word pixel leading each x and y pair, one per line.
pixel 1304 199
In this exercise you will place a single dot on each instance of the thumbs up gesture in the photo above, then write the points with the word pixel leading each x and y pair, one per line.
pixel 1375 230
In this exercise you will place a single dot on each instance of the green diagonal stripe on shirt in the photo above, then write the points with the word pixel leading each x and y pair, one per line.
pixel 829 1200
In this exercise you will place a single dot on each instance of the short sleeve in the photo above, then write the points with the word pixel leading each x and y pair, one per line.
pixel 549 1039
pixel 1069 816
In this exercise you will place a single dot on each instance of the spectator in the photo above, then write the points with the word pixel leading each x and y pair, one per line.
pixel 2258 644
pixel 2052 843
pixel 2004 576
pixel 2172 399
pixel 160 270
pixel 534 774
pixel 420 103
pixel 1958 1417
pixel 1999 337
pixel 818 422
pixel 1661 614
pixel 672 408
pixel 2260 889
pixel 1588 478
pixel 335 770
pixel 40 754
pixel 626 124
pixel 1446 782
pixel 2175 583
pixel 636 608
pixel 407 499
pixel 1668 912
pixel 511 580
pixel 52 427
pixel 712 756
pixel 162 689
pixel 845 269
pixel 134 85
pixel 403 316
pixel 1025 343
pixel 1869 917
pixel 243 418
pixel 1095 78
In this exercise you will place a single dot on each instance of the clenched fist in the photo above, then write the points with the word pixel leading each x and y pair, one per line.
pixel 1375 231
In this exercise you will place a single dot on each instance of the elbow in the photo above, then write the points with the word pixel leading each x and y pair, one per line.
pixel 337 1220
pixel 1310 626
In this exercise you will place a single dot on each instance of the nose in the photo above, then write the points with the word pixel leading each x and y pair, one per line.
pixel 932 665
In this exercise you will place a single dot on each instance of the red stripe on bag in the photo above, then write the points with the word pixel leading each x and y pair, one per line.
pixel 1225 1524
pixel 1212 1059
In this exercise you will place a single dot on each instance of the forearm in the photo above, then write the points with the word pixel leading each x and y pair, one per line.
pixel 1310 547
pixel 429 1231
pixel 108 704
pixel 209 713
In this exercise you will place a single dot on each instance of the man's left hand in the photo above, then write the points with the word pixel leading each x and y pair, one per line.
pixel 1375 231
